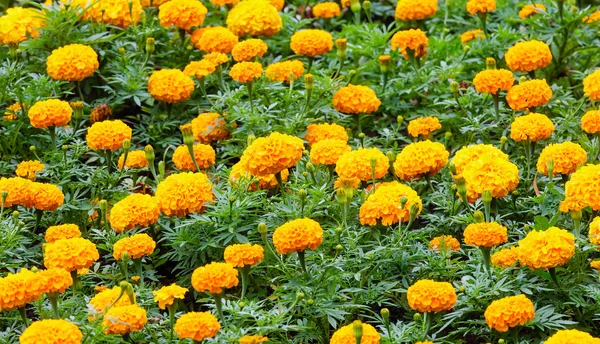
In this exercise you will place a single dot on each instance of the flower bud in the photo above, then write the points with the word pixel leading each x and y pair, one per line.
pixel 150 44
pixel 122 51
pixel 127 288
pixel 299 296
pixel 250 139
pixel 77 110
pixel 302 194
pixel 341 45
pixel 462 289
pixel 461 186
pixel 550 167
pixel 306 152
pixel 341 196
pixel 310 301
pixel 262 228
pixel 503 141
pixel 126 144
pixel 65 147
pixel 357 327
pixel 242 304
pixel 149 154
pixel 522 79
pixel 339 247
pixel 361 135
pixel 125 257
pixel 448 135
pixel 490 63
pixel 486 196
pixel 501 341
pixel 391 156
pixel 367 5
pixel 478 217
pixel 32 149
pixel 351 74
pixel 339 229
pixel 403 201
pixel 452 169
pixel 161 169
pixel 188 134
pixel 103 205
pixel 385 314
pixel 414 209
pixel 575 215
pixel 384 63
pixel 454 87
pixel 417 317
pixel 355 6
pixel 310 167
pixel 466 48
pixel 15 216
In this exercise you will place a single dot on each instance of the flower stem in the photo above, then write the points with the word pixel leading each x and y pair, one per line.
pixel 245 271
pixel 138 267
pixel 486 260
pixel 219 304
pixel 428 317
pixel 249 85
pixel 301 258
pixel 172 308
pixel 24 316
pixel 53 298
pixel 108 153
pixel 496 105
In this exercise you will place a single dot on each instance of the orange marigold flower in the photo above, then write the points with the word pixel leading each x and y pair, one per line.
pixel 571 337
pixel 444 243
pixel 135 159
pixel 214 39
pixel 182 13
pixel 533 127
pixel 170 85
pixel 528 94
pixel 107 298
pixel 467 154
pixel 51 331
pixel 210 127
pixel 70 254
pixel 27 169
pixel 419 159
pixel 581 189
pixel 311 42
pixel 184 193
pixel 506 257
pixel 566 158
pixel 224 2
pixel 326 10
pixel 493 80
pixel 355 99
pixel 199 69
pixel 509 312
pixel 280 71
pixel 166 295
pixel 51 112
pixel 47 197
pixel 357 164
pixel 135 210
pixel 531 9
pixel 590 122
pixel 591 85
pixel 430 296
pixel 136 246
pixel 488 173
pixel 546 249
pixel 20 191
pixel 19 289
pixel 278 4
pixel 413 40
pixel 246 71
pixel 155 3
pixel 241 255
pixel 249 49
pixel 215 277
pixel 470 35
pixel 318 132
pixel 125 319
pixel 528 56
pixel 409 10
pixel 73 62
pixel 594 233
pixel 328 151
pixel 66 231
pixel 423 126
pixel 345 335
pixel 298 236
pixel 254 18
pixel 54 280
pixel 216 58
pixel 594 17
pixel 272 154
pixel 108 135
pixel 481 6
pixel 485 234
pixel 239 172
pixel 383 205
pixel 205 157
pixel 347 183
pixel 19 23
pixel 595 264
pixel 197 326
pixel 121 13
pixel 11 112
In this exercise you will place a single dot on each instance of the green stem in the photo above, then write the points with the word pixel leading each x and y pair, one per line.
pixel 79 91
pixel 53 298
pixel 219 305
pixel 310 63
pixel 249 85
pixel 190 148
pixel 52 131
pixel 280 182
pixel 496 105
pixel 428 319
pixel 552 272
pixel 486 259
pixel 23 314
pixel 483 20
pixel 172 308
pixel 138 267
pixel 38 218
pixel 108 153
pixel 245 272
pixel 515 334
pixel 302 259
pixel 76 281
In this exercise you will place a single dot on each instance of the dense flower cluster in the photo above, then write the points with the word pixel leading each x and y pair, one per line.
pixel 28 169
pixel 581 189
pixel 590 122
pixel 345 335
pixel 485 234
pixel 121 13
pixel 384 205
pixel 509 312
pixel 136 246
pixel 546 249
pixel 506 257
pixel 47 197
pixel 467 154
pixel 444 243
pixel 328 151
pixel 419 159
pixel 355 99
pixel 135 210
pixel 166 296
pixel 312 42
pixel 66 231
pixel 135 159
pixel 254 18
pixel 298 236
pixel 531 9
pixel 73 62
pixel 214 39
pixel 199 69
pixel 318 132
pixel 470 35
pixel 51 331
pixel 591 85
pixel 184 193
pixel 249 49
pixel 246 71
pixel 414 41
pixel 423 126
pixel 528 56
pixel 283 71
pixel 182 13
pixel 409 10
pixel 532 127
pixel 70 254
pixel 357 164
pixel 240 255
pixel 493 80
pixel 529 94
pixel 431 296
pixel 19 23
pixel 20 191
pixel 326 10
pixel 124 320
pixel 197 326
pixel 481 6
pixel 205 157
pixel 488 173
pixel 215 277
pixel 51 112
pixel 566 158
pixel 108 135
pixel 170 85
pixel 272 154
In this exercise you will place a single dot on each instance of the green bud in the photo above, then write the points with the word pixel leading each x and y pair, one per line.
pixel 15 216
pixel 576 215
pixel 462 289
pixel 452 168
pixel 308 81
pixel 478 217
pixel 161 169
pixel 417 317
pixel 149 154
pixel 122 51
pixel 242 304
pixel 403 201
pixel 522 79
pixel 299 296
pixel 250 139
pixel 103 205
pixel 341 196
pixel 339 247
pixel 385 314
pixel 32 149
pixel 310 167
pixel 448 135
pixel 357 327
pixel 64 147
pixel 125 257
pixel 355 6
pixel 550 167
pixel 399 119
pixel 310 301
pixel 127 288
pixel 414 210
pixel 302 194
pixel 367 5
pixel 486 196
pixel 391 156
pixel 454 87
pixel 262 228
pixel 490 63
pixel 126 144
pixel 150 45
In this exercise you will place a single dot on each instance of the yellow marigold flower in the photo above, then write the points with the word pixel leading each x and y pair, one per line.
pixel 170 85
pixel 197 326
pixel 481 6
pixel 485 234
pixel 280 71
pixel 272 154
pixel 249 49
pixel 591 85
pixel 318 132
pixel 254 18
pixel 47 197
pixel 444 243
pixel 135 210
pixel 423 126
pixel 528 56
pixel 357 164
pixel 506 257
pixel 531 9
pixel 298 236
pixel 409 10
pixel 135 159
pixel 383 205
pixel 51 112
pixel 493 80
pixel 328 151
pixel 70 254
pixel 528 94
pixel 19 289
pixel 326 10
pixel 106 298
pixel 278 4
pixel 155 3
pixel 240 171
pixel 51 331
pixel 216 58
pixel 430 296
pixel 533 127
pixel 125 319
pixel 345 335
pixel 215 277
pixel 509 312
pixel 210 127
pixel 590 122
pixel 594 233
pixel 166 295
pixel 205 157
pixel 425 342
pixel 54 280
pixel 20 191
pixel 121 13
pixel 546 249
pixel 27 169
pixel 73 62
pixel 355 99
pixel 592 18
pixel 311 43
pixel 470 35
pixel 224 2
pixel 241 255
pixel 215 39
pixel 66 231
pixel 595 264
pixel 11 112
pixel 108 135
pixel 18 24
pixel 182 13
pixel 571 337
pixel 488 173
pixel 566 157
pixel 199 69
pixel 467 154
pixel 347 183
pixel 580 190
pixel 414 40
pixel 419 159
pixel 183 193
pixel 246 71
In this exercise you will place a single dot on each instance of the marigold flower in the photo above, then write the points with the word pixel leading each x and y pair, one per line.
pixel 529 94
pixel 346 183
pixel 108 135
pixel 210 127
pixel 215 277
pixel 135 159
pixel 205 157
pixel 566 157
pixel 272 154
pixel 326 10
pixel 470 35
pixel 66 231
pixel 528 56
pixel 216 58
pixel 444 243
pixel 27 169
pixel 106 298
pixel 419 159
pixel 423 126
pixel 214 39
pixel 19 289
pixel 47 197
pixel 467 154
pixel 197 326
pixel 430 296
pixel 51 331
pixel 20 191
pixel 241 255
pixel 594 17
pixel 357 164
pixel 311 42
pixel 413 40
pixel 199 69
pixel 135 210
pixel 533 127
pixel 328 151
pixel 166 295
pixel 280 71
pixel 73 62
pixel 54 280
pixel 581 189
pixel 249 49
pixel 355 99
pixel 531 9
pixel 155 3
pixel 506 257
pixel 224 2
pixel 590 122
pixel 481 6
pixel 11 112
pixel 19 23
pixel 125 319
pixel 485 234
pixel 488 173
pixel 409 10
pixel 240 171
pixel 182 13
pixel 546 249
pixel 278 4
pixel 318 132
pixel 51 112
pixel 121 13
pixel 595 264
pixel 383 205
pixel 246 71
pixel 345 335
pixel 509 312
pixel 70 254
pixel 170 85
pixel 183 193
pixel 571 337
pixel 254 18
pixel 591 85
pixel 594 233
pixel 493 80
pixel 298 236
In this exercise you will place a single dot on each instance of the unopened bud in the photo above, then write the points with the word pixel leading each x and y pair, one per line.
pixel 385 315
pixel 355 6
pixel 478 217
pixel 384 62
pixel 341 45
pixel 309 81
pixel 310 167
pixel 403 201
pixel 399 119
pixel 522 79
pixel 454 87
pixel 367 5
pixel 32 149
pixel 149 154
pixel 357 327
pixel 452 168
pixel 448 135
pixel 299 296
pixel 550 167
pixel 15 216
pixel 391 156
pixel 127 288
pixel 188 134
pixel 486 196
pixel 490 63
pixel 466 48
pixel 150 44
pixel 262 228
pixel 122 51
pixel 341 196
pixel 413 211
pixel 501 341
pixel 462 289
pixel 126 144
pixel 250 139
pixel 576 214
pixel 339 247
pixel 417 317
pixel 103 204
pixel 125 257
pixel 302 194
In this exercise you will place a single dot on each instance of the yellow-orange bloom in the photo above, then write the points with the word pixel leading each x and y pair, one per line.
pixel 419 159
pixel 413 41
pixel 216 59
pixel 166 295
pixel 591 85
pixel 506 257
pixel 184 193
pixel 298 236
pixel 239 172
pixel 430 296
pixel 182 13
pixel 409 10
pixel 311 42
pixel 323 131
pixel 11 112
pixel 241 255
pixel 590 122
pixel 135 159
pixel 509 312
pixel 107 298
pixel 546 249
pixel 444 243
pixel 20 191
pixel 125 319
pixel 215 277
pixel 488 173
pixel 108 135
pixel 54 280
pixel 581 189
pixel 136 246
pixel 199 69
pixel 485 234
pixel 19 289
pixel 253 340
pixel 19 23
pixel 533 127
pixel 594 233
pixel 246 71
pixel 531 9
pixel 470 35
pixel 493 80
pixel 345 335
pixel 355 99
pixel 566 158
pixel 209 127
pixel 27 169
pixel 328 151
pixel 383 205
pixel 528 56
pixel 423 126
pixel 135 210
pixel 47 197
pixel 529 94
pixel 281 71
pixel 197 326
pixel 272 154
pixel 595 264
pixel 205 157
pixel 50 331
pixel 326 10
pixel 214 39
pixel 594 17
pixel 481 6
pixel 357 164
pixel 73 62
pixel 249 49
pixel 66 231
pixel 51 112
pixel 571 337
pixel 170 85
pixel 254 18
pixel 121 13
pixel 467 154
pixel 70 254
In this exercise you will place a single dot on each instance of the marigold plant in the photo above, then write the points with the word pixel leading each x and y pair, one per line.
pixel 249 49
pixel 312 42
pixel 488 173
pixel 409 10
pixel 485 234
pixel 215 277
pixel 323 131
pixel 65 231
pixel 357 164
pixel 423 126
pixel 594 233
pixel 326 10
pixel 481 6
pixel 345 335
pixel 506 257
pixel 19 24
pixel 431 296
pixel 528 56
pixel 509 312
pixel 590 122
pixel 197 326
pixel 184 193
pixel 272 154
pixel 355 99
pixel 493 80
pixel 581 189
pixel 107 298
pixel 73 62
pixel 566 158
pixel 51 331
pixel 470 35
pixel 70 254
pixel 170 85
pixel 167 295
pixel 241 255
pixel 444 243
pixel 254 18
pixel 298 236
pixel 214 39
pixel 420 159
pixel 546 249
pixel 124 320
pixel 384 205
pixel 411 42
pixel 571 337
pixel 54 280
pixel 246 71
pixel 19 289
pixel 182 13
pixel 108 135
pixel 591 85
pixel 205 157
pixel 328 151
pixel 28 169
pixel 467 154
pixel 135 159
pixel 284 71
pixel 532 127
pixel 48 113
pixel 529 94
pixel 531 9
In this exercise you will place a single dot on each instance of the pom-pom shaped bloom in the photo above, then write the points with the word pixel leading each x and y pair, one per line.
pixel 135 159
pixel 298 236
pixel 470 35
pixel 253 340
pixel 280 71
pixel 355 99
pixel 183 193
pixel 254 18
pixel 423 126
pixel 485 234
pixel 51 331
pixel 197 326
pixel 215 277
pixel 20 191
pixel 345 335
pixel 214 39
pixel 249 49
pixel 66 231
pixel 121 13
pixel 182 13
pixel 546 249
pixel 106 298
pixel 529 94
pixel 444 243
pixel 19 23
pixel 124 320
pixel 413 41
pixel 528 56
pixel 328 151
pixel 19 289
pixel 566 158
pixel 384 205
pixel 73 62
pixel 246 71
pixel 170 85
pixel 272 154
pixel 47 197
pixel 224 2
pixel 590 122
pixel 419 159
pixel 51 112
pixel 591 85
pixel 326 10
pixel 506 257
pixel 54 280
pixel 582 189
pixel 533 127
pixel 166 295
pixel 216 59
pixel 209 127
pixel 488 173
pixel 108 135
pixel 239 172
pixel 240 255
pixel 467 154
pixel 357 164
pixel 509 312
pixel 70 254
pixel 27 169
pixel 481 6
pixel 312 42
pixel 493 80
pixel 571 337
pixel 135 210
pixel 531 9
pixel 430 296
pixel 205 157
pixel 318 132
pixel 409 10
pixel 199 69
pixel 594 233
